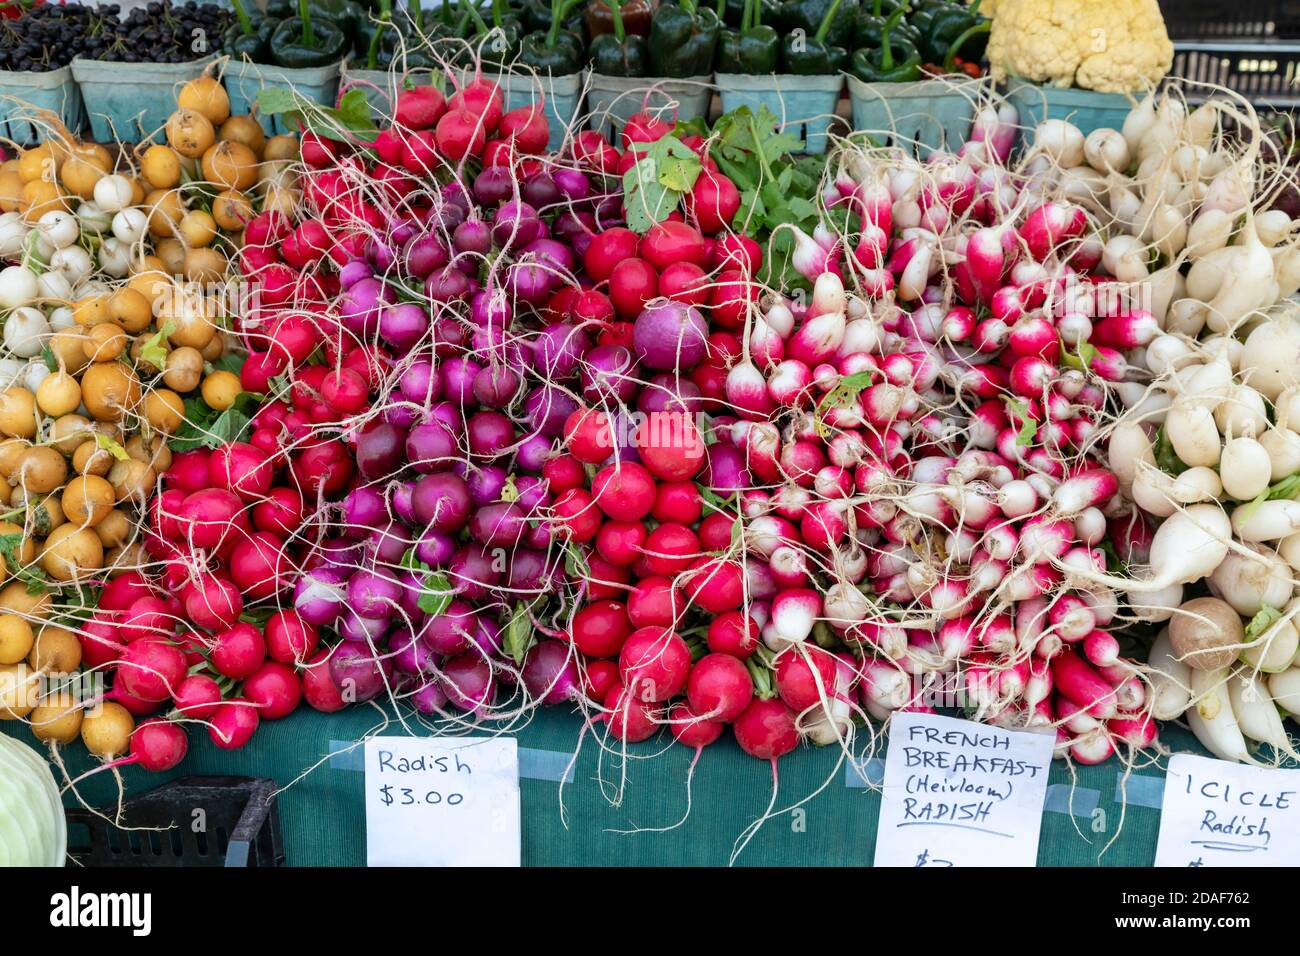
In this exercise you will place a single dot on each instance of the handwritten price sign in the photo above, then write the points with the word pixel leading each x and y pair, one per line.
pixel 435 801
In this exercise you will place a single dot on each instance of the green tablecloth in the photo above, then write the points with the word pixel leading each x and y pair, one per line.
pixel 323 817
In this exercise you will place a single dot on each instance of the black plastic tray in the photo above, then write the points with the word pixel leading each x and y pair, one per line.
pixel 193 821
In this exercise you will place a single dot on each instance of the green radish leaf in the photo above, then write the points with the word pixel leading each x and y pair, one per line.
pixel 154 350
pixel 51 362
pixel 518 637
pixel 351 119
pixel 1261 622
pixel 111 446
pixel 437 596
pixel 30 575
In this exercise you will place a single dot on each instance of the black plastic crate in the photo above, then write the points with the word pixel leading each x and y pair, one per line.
pixel 1267 74
pixel 193 821
pixel 1236 19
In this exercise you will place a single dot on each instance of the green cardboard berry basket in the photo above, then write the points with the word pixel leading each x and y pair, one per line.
pixel 131 101
pixel 1086 109
pixel 924 114
pixel 244 78
pixel 23 93
pixel 804 105
pixel 612 99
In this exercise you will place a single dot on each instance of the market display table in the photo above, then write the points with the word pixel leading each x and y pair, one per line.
pixel 322 815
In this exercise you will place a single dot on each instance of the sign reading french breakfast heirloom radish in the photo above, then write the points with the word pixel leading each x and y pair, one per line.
pixel 959 793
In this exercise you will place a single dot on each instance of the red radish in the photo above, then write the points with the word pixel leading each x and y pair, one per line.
pixel 670 445
pixel 210 515
pixel 622 542
pixel 318 687
pixel 630 720
pixel 644 127
pixel 600 629
pixel 459 134
pixel 588 435
pixel 654 664
pixel 599 677
pixel 157 745
pixel 480 98
pixel 527 128
pixel 632 283
pixel 666 243
pixel 734 251
pixel 197 696
pixel 625 491
pixel 259 565
pixel 713 202
pixel 715 584
pixel 692 730
pixel 281 513
pixel 151 670
pixel 212 601
pixel 275 688
pixel 734 633
pixel 678 501
pixel 243 469
pixel 719 687
pixel 803 681
pixel 290 639
pixel 685 282
pixel 654 602
pixel 317 151
pixel 577 514
pixel 1078 683
pixel 233 724
pixel 670 549
pixel 607 250
pixel 238 651
pixel 419 107
pixel 147 617
pixel 766 729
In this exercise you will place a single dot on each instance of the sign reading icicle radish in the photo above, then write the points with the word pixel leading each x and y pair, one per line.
pixel 959 793
pixel 1217 813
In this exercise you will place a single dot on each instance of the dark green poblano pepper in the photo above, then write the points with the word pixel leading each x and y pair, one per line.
pixel 895 61
pixel 617 53
pixel 807 15
pixel 814 56
pixel 752 49
pixel 249 38
pixel 948 25
pixel 556 51
pixel 683 38
pixel 307 41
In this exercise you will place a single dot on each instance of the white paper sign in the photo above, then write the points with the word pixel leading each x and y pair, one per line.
pixel 958 793
pixel 442 801
pixel 1217 813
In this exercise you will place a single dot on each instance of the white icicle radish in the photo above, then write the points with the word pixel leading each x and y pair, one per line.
pixel 1139 121
pixel 1209 273
pixel 1242 412
pixel 1249 583
pixel 1129 446
pixel 1245 468
pixel 1284 688
pixel 1125 257
pixel 113 193
pixel 1283 447
pixel 1212 718
pixel 1266 520
pixel 1286 269
pixel 1106 150
pixel 1255 712
pixel 1270 359
pixel 1252 274
pixel 1171 680
pixel 1272 226
pixel 26 332
pixel 1191 431
pixel 1208 233
pixel 1275 649
pixel 18 287
pixel 1186 316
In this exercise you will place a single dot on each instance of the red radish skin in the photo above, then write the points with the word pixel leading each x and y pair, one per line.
pixel 197 696
pixel 275 688
pixel 158 745
pixel 318 687
pixel 719 687
pixel 692 730
pixel 654 664
pixel 239 651
pixel 600 629
pixel 151 670
pixel 233 724
pixel 630 720
pixel 766 729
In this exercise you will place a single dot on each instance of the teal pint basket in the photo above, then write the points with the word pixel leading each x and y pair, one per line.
pixel 924 114
pixel 22 93
pixel 612 99
pixel 131 101
pixel 563 94
pixel 380 87
pixel 1086 109
pixel 804 105
pixel 243 79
